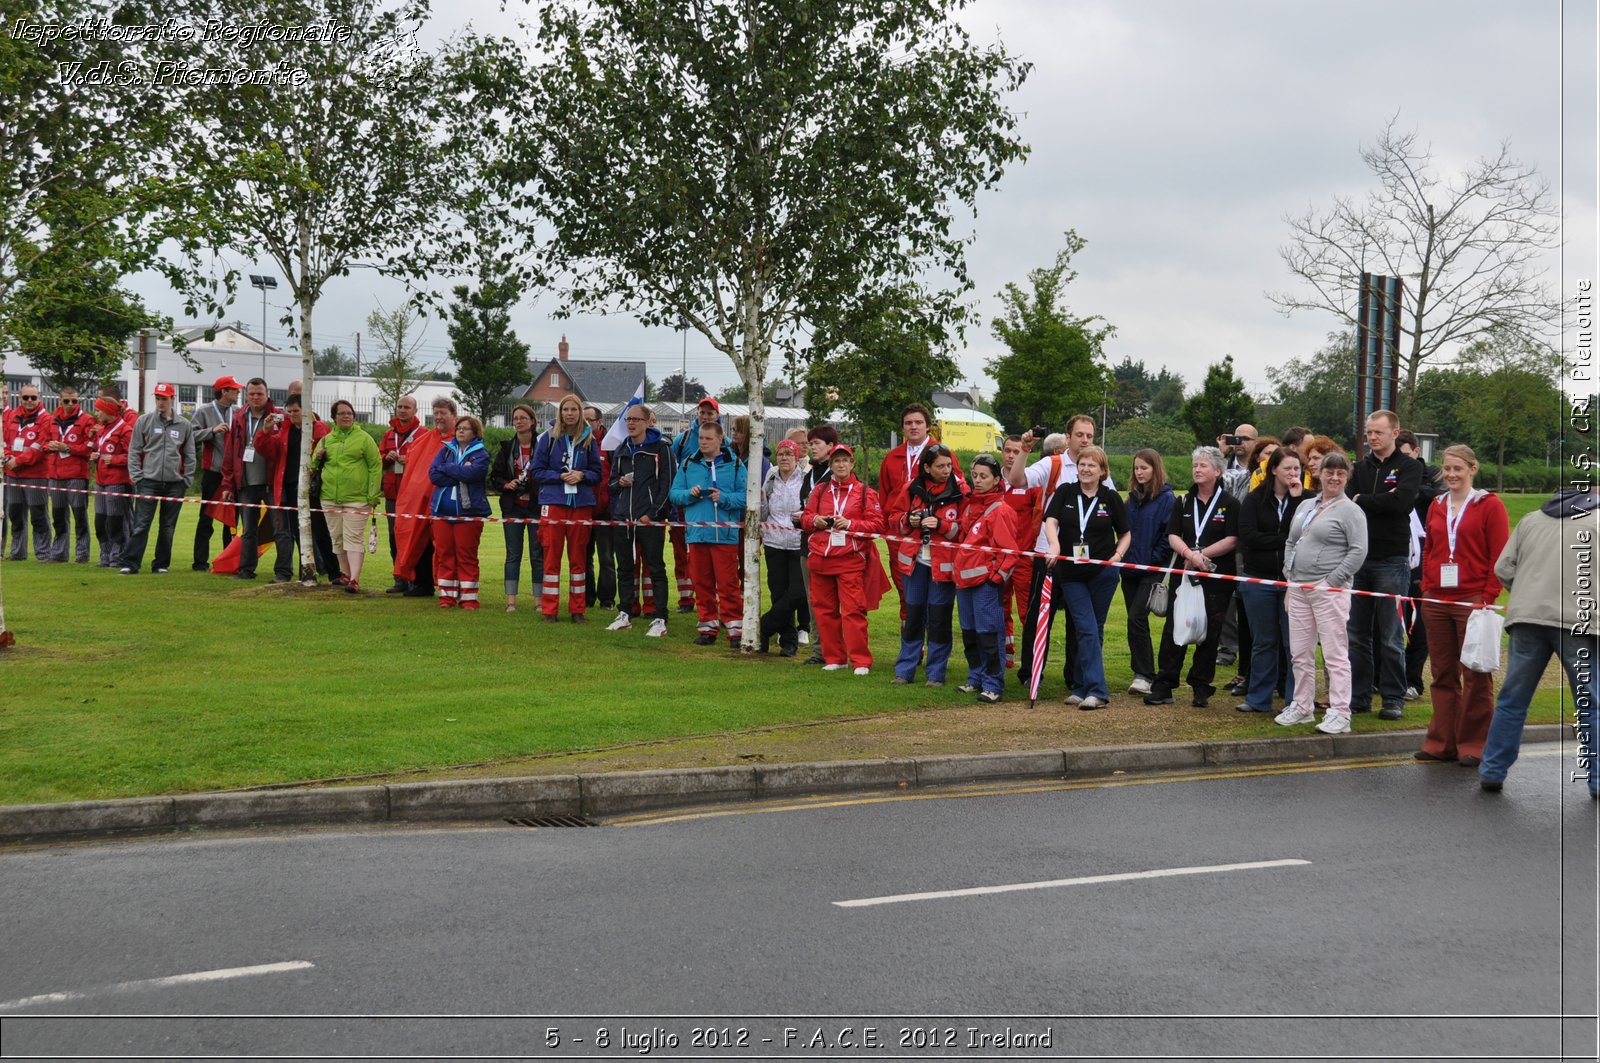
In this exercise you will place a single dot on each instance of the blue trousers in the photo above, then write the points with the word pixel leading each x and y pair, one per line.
pixel 928 606
pixel 1377 638
pixel 983 635
pixel 1530 649
pixel 1269 637
pixel 1088 602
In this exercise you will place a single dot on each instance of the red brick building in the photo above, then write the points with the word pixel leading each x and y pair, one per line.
pixel 602 382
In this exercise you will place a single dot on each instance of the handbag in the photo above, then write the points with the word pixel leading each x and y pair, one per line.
pixel 1189 613
pixel 1480 648
pixel 1158 601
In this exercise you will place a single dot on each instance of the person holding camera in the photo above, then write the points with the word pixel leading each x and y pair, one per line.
pixel 245 476
pixel 846 580
pixel 900 466
pixel 929 516
pixel 1095 526
pixel 279 442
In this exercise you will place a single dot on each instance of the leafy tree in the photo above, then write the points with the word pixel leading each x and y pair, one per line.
pixel 749 166
pixel 1134 387
pixel 1168 436
pixel 673 388
pixel 1319 391
pixel 1056 367
pixel 1468 249
pixel 1512 402
pixel 365 157
pixel 490 360
pixel 739 394
pixel 399 367
pixel 1168 398
pixel 1441 397
pixel 1220 404
pixel 334 362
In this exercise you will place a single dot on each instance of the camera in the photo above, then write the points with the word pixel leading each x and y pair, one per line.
pixel 1039 431
pixel 1233 441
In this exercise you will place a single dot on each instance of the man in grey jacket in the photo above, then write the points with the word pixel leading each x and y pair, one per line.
pixel 160 464
pixel 1548 565
pixel 211 422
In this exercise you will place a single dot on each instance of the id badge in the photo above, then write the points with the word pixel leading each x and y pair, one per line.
pixel 1449 576
pixel 1080 551
pixel 836 538
pixel 17 444
pixel 250 453
pixel 400 465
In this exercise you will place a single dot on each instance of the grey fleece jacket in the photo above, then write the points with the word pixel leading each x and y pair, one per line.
pixel 1331 548
pixel 1549 566
pixel 162 451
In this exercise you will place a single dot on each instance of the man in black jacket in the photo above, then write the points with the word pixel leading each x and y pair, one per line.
pixel 641 474
pixel 1385 486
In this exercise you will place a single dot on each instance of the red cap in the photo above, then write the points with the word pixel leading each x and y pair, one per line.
pixel 226 382
pixel 840 448
pixel 709 401
pixel 166 389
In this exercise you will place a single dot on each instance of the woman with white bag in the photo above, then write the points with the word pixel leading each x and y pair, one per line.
pixel 1467 529
pixel 1327 544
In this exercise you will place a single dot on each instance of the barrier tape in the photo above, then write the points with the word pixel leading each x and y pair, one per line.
pixel 917 541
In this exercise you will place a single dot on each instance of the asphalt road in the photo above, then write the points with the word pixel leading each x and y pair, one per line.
pixel 1405 913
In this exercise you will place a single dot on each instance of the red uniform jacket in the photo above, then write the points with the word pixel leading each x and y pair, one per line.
pixel 893 475
pixel 987 520
pixel 233 449
pixel 858 504
pixel 1480 537
pixel 273 446
pixel 111 443
pixel 26 436
pixel 398 438
pixel 941 541
pixel 77 433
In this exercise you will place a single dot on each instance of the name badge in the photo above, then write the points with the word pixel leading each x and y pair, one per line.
pixel 399 465
pixel 836 538
pixel 1080 551
pixel 17 444
pixel 173 433
pixel 250 453
pixel 1449 576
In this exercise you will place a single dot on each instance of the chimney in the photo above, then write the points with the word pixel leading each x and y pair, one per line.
pixel 563 348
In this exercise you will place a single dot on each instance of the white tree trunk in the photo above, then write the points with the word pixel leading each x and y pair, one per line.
pixel 308 555
pixel 752 369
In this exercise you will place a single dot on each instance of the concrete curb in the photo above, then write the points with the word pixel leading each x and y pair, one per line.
pixel 630 791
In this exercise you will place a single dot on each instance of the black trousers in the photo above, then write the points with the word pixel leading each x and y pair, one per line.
pixel 210 487
pixel 1135 591
pixel 1416 635
pixel 788 590
pixel 1030 627
pixel 602 548
pixel 1203 672
pixel 649 540
pixel 388 510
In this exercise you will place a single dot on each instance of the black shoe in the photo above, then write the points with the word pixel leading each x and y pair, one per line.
pixel 1492 786
pixel 685 610
pixel 705 638
pixel 200 566
pixel 1226 658
pixel 815 658
pixel 788 651
pixel 244 575
pixel 1239 687
pixel 1423 754
pixel 580 618
pixel 416 590
pixel 1158 698
pixel 282 579
pixel 1201 701
pixel 400 587
pixel 1469 762
pixel 1390 712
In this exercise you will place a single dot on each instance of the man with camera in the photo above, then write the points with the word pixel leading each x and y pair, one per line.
pixel 246 479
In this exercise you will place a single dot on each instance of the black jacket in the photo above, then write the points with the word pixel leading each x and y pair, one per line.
pixel 500 473
pixel 1386 490
pixel 650 463
pixel 1262 534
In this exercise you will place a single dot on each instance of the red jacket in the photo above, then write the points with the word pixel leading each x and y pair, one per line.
pixel 941 541
pixel 893 476
pixel 273 445
pixel 1480 536
pixel 111 443
pixel 987 520
pixel 858 504
pixel 233 449
pixel 398 439
pixel 26 436
pixel 77 433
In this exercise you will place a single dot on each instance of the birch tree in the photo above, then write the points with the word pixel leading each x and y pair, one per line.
pixel 748 166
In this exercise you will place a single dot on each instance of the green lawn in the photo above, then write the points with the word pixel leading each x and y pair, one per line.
pixel 123 686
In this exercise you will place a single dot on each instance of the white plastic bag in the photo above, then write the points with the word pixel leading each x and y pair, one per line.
pixel 1480 650
pixel 1189 613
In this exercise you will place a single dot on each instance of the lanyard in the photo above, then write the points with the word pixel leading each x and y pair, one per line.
pixel 1084 517
pixel 838 510
pixel 1283 504
pixel 911 460
pixel 250 427
pixel 1316 511
pixel 218 410
pixel 103 436
pixel 1199 521
pixel 712 465
pixel 1451 526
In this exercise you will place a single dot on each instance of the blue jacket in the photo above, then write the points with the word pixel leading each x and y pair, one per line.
pixel 550 461
pixel 460 480
pixel 694 472
pixel 1147 521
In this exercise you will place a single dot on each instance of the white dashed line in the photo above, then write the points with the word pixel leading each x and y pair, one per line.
pixel 1087 880
pixel 220 975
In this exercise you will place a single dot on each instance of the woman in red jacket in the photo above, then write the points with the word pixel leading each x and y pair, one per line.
pixel 1467 529
pixel 109 456
pixel 846 515
pixel 988 526
pixel 928 524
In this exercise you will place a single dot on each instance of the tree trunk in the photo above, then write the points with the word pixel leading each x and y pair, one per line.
pixel 752 368
pixel 308 418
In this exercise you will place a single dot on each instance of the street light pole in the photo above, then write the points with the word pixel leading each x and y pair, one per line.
pixel 263 282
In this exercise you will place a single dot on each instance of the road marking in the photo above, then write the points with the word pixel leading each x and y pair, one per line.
pixel 220 975
pixel 1087 880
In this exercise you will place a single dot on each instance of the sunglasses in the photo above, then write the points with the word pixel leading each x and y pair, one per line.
pixel 30 398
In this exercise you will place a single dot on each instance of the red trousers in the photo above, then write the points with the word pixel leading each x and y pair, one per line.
pixel 1014 602
pixel 839 607
pixel 718 592
pixel 899 583
pixel 1463 700
pixel 455 560
pixel 557 530
pixel 680 566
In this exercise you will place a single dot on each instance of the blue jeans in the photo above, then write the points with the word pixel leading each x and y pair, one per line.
pixel 929 604
pixel 1375 628
pixel 1269 636
pixel 1088 602
pixel 983 633
pixel 1531 648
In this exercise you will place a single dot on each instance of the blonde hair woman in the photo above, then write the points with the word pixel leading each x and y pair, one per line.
pixel 566 466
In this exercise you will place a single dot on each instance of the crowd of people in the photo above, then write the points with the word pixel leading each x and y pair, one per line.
pixel 1013 542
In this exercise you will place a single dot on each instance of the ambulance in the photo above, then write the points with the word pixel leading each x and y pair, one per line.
pixel 969 430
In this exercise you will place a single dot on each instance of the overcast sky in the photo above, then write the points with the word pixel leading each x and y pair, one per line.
pixel 1174 136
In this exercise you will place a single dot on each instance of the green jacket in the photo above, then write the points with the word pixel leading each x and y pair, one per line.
pixel 353 470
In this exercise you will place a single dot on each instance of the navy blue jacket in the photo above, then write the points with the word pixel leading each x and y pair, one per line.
pixel 550 461
pixel 460 480
pixel 1147 521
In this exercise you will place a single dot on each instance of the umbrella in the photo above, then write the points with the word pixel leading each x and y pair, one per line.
pixel 1041 635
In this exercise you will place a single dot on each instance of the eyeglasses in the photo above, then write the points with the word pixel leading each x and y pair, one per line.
pixel 636 420
pixel 30 398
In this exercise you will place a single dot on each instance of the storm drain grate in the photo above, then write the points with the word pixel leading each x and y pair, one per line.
pixel 551 821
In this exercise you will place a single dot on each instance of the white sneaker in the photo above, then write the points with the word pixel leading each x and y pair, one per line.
pixel 834 667
pixel 1073 699
pixel 805 638
pixel 862 671
pixel 658 628
pixel 1092 702
pixel 1335 723
pixel 622 623
pixel 1292 716
pixel 1140 685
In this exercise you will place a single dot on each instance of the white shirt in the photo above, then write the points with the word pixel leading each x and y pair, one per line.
pixel 1039 476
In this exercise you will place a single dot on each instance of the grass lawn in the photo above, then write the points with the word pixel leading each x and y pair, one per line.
pixel 123 686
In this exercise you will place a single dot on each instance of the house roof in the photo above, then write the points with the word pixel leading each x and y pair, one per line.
pixel 195 335
pixel 596 380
